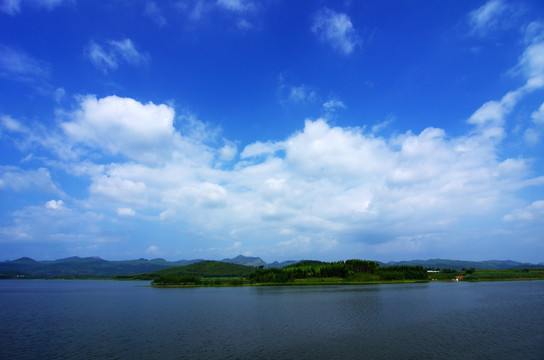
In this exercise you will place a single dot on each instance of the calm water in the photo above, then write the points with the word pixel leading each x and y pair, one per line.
pixel 124 320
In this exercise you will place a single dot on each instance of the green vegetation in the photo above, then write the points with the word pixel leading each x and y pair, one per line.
pixel 349 271
pixel 204 273
pixel 516 274
pixel 192 280
pixel 201 273
pixel 222 273
pixel 208 269
pixel 213 273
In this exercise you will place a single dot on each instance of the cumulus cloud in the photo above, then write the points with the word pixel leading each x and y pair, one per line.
pixel 321 188
pixel 54 204
pixel 108 56
pixel 335 29
pixel 123 126
pixel 316 189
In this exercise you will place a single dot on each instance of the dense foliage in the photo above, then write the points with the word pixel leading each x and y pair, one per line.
pixel 208 268
pixel 188 280
pixel 349 269
pixel 516 274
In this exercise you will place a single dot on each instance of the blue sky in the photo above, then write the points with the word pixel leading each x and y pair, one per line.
pixel 286 130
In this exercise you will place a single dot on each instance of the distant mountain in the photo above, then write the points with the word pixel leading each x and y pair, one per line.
pixel 460 264
pixel 283 263
pixel 95 267
pixel 256 262
pixel 246 261
pixel 84 267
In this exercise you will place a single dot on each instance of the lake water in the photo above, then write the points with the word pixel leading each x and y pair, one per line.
pixel 126 320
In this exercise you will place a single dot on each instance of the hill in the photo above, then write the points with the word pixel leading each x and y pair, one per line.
pixel 95 267
pixel 257 262
pixel 460 264
pixel 205 269
pixel 76 267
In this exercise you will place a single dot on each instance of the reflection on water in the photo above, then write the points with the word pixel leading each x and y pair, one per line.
pixel 100 319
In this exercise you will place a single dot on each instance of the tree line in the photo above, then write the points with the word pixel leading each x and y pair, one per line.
pixel 354 270
pixel 340 269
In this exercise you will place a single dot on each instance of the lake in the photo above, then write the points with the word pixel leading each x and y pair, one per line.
pixel 55 319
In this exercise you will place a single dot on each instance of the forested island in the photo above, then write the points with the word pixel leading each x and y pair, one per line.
pixel 332 273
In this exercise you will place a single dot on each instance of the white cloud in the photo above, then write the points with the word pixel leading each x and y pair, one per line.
pixel 236 5
pixel 333 104
pixel 59 94
pixel 532 66
pixel 13 7
pixel 533 134
pixel 107 57
pixel 10 7
pixel 18 65
pixel 382 125
pixel 12 125
pixel 228 152
pixel 534 32
pixel 323 187
pixel 100 58
pixel 336 29
pixel 323 183
pixel 244 24
pixel 117 189
pixel 125 212
pixel 48 4
pixel 125 49
pixel 487 17
pixel 490 117
pixel 535 211
pixel 538 116
pixel 56 223
pixel 154 12
pixel 258 148
pixel 27 180
pixel 153 250
pixel 54 204
pixel 302 94
pixel 123 126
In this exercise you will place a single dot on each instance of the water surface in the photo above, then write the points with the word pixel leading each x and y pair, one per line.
pixel 42 319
